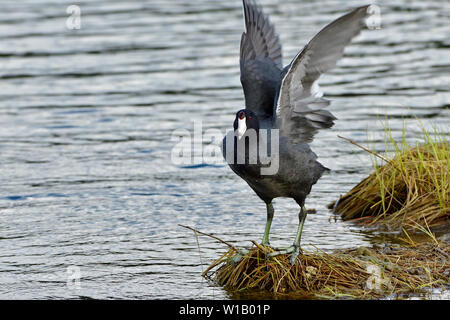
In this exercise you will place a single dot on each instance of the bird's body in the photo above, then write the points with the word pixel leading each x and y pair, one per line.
pixel 288 104
pixel 298 171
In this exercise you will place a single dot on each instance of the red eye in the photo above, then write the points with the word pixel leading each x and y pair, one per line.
pixel 241 115
pixel 249 118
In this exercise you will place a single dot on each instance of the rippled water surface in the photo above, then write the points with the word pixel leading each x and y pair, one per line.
pixel 87 117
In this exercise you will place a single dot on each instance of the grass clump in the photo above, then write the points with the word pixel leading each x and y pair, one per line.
pixel 411 189
pixel 362 273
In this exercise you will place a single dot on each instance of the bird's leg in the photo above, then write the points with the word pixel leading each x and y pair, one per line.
pixel 239 255
pixel 295 248
pixel 270 211
pixel 265 242
pixel 296 245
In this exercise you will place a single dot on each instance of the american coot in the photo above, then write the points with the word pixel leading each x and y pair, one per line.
pixel 289 101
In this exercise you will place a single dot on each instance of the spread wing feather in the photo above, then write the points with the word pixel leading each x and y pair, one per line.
pixel 260 61
pixel 300 106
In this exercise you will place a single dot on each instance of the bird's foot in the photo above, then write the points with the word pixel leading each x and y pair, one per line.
pixel 265 244
pixel 294 250
pixel 239 255
pixel 294 255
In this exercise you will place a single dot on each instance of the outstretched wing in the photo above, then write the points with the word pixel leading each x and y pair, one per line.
pixel 260 61
pixel 300 109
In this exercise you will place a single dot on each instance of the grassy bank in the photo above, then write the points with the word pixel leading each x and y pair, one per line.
pixel 362 273
pixel 409 189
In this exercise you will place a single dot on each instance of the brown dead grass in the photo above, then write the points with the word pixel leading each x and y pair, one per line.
pixel 411 190
pixel 361 273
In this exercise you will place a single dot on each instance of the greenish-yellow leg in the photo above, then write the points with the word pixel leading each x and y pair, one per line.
pixel 301 218
pixel 296 245
pixel 242 252
pixel 295 248
pixel 270 212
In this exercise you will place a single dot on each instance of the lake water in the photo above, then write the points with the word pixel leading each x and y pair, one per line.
pixel 88 188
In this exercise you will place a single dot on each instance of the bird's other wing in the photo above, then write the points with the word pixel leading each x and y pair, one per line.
pixel 300 110
pixel 260 61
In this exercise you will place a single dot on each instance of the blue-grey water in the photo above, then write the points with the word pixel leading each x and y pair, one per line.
pixel 90 197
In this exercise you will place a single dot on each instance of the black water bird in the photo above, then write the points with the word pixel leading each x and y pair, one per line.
pixel 287 99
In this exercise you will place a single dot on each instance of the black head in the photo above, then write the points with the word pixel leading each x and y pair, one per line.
pixel 245 119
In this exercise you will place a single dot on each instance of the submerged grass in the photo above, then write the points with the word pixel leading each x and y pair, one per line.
pixel 411 190
pixel 362 273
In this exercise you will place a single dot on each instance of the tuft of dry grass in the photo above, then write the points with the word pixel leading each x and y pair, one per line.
pixel 411 190
pixel 361 273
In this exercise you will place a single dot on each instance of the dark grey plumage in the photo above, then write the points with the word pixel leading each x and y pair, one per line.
pixel 287 99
